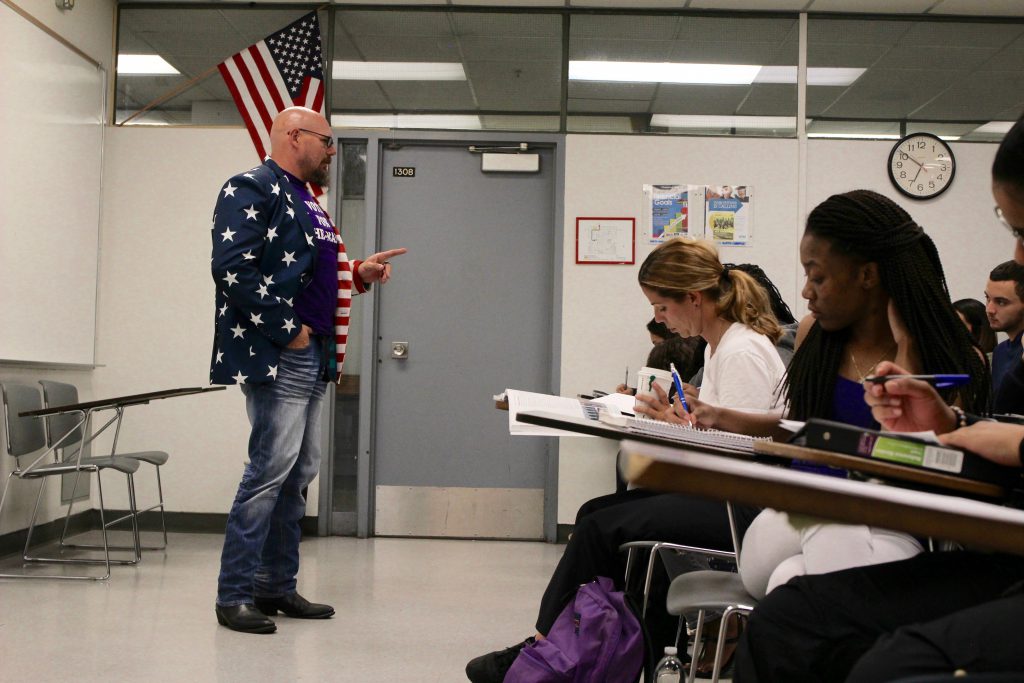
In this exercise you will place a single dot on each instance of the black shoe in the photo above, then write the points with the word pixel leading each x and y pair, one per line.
pixel 492 667
pixel 294 605
pixel 245 618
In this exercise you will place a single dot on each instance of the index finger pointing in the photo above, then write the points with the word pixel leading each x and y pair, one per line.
pixel 385 255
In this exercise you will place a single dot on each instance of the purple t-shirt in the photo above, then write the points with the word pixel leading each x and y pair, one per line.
pixel 316 303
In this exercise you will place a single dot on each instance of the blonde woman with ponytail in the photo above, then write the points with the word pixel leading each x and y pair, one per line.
pixel 693 294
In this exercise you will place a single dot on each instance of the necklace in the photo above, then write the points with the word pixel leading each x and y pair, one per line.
pixel 862 374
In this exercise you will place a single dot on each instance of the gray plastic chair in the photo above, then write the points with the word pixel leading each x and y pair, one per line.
pixel 707 591
pixel 68 428
pixel 26 436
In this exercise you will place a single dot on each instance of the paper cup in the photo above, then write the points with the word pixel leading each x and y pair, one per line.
pixel 648 377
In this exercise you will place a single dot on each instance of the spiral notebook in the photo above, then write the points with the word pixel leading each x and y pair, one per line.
pixel 685 434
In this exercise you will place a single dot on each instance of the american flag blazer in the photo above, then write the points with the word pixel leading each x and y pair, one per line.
pixel 263 255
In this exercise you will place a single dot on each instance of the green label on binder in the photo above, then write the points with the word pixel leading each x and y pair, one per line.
pixel 918 454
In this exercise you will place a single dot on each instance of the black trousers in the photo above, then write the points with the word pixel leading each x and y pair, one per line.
pixel 934 613
pixel 605 523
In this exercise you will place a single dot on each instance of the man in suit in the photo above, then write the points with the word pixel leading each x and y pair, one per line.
pixel 284 287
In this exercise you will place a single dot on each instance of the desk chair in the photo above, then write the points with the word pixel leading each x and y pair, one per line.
pixel 25 435
pixel 67 428
pixel 705 591
pixel 656 549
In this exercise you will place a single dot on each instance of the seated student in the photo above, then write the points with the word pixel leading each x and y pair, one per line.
pixel 936 613
pixel 686 352
pixel 694 295
pixel 866 262
pixel 972 313
pixel 1004 304
pixel 780 309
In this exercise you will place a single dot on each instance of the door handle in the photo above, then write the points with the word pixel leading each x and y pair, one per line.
pixel 400 350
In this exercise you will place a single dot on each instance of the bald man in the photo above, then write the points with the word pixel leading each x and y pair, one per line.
pixel 284 287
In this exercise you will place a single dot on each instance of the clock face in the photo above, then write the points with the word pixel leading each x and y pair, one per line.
pixel 921 166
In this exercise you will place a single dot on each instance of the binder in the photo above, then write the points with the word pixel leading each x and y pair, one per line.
pixel 907 450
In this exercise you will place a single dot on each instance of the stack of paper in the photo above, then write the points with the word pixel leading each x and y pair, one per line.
pixel 519 401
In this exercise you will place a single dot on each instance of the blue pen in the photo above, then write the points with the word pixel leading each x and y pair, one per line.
pixel 940 381
pixel 679 386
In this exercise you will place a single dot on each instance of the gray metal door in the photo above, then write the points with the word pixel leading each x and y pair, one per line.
pixel 472 301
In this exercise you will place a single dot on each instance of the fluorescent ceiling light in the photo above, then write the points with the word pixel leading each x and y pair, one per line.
pixel 994 128
pixel 663 72
pixel 816 75
pixel 444 121
pixel 717 122
pixel 398 71
pixel 144 64
pixel 708 74
pixel 857 136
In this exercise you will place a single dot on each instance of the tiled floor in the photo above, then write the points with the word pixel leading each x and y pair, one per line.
pixel 408 610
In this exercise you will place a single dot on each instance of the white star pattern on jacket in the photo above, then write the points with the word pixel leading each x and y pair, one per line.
pixel 263 254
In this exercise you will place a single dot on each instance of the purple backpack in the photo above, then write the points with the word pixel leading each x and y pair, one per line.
pixel 596 639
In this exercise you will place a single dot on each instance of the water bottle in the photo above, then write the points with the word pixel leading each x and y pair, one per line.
pixel 669 669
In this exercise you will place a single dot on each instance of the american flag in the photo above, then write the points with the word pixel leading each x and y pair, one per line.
pixel 282 70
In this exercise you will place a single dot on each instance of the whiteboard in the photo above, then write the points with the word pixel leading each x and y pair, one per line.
pixel 51 133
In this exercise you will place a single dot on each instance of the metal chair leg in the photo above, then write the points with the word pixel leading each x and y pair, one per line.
pixel 695 654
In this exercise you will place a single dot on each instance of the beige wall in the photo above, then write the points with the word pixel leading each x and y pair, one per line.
pixel 90 28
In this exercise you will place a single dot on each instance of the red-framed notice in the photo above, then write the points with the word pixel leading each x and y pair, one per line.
pixel 605 240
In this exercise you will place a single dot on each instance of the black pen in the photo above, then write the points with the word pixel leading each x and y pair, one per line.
pixel 940 381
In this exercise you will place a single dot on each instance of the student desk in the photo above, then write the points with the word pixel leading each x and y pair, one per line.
pixel 687 470
pixel 939 512
pixel 116 403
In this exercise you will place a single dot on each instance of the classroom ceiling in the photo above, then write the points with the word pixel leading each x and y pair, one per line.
pixel 917 67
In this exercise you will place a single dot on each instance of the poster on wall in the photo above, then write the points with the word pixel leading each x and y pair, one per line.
pixel 667 212
pixel 605 240
pixel 728 214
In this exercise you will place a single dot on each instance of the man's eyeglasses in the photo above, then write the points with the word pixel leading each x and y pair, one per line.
pixel 1018 232
pixel 326 139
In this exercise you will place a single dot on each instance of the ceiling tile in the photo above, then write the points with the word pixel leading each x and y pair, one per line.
pixel 699 99
pixel 987 8
pixel 753 5
pixel 980 96
pixel 502 86
pixel 888 93
pixel 602 106
pixel 408 96
pixel 871 6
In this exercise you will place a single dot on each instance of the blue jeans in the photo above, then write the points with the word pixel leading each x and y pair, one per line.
pixel 261 541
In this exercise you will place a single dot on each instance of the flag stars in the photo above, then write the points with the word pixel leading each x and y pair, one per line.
pixel 288 325
pixel 220 357
pixel 238 332
pixel 262 291
pixel 271 234
pixel 228 235
pixel 248 256
pixel 223 310
pixel 269 279
pixel 289 258
pixel 256 319
pixel 272 371
pixel 231 279
pixel 251 213
pixel 240 378
pixel 251 352
pixel 229 190
pixel 275 188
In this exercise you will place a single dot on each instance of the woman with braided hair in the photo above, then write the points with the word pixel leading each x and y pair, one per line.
pixel 938 615
pixel 876 292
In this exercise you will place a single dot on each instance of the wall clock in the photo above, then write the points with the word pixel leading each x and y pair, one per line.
pixel 921 166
